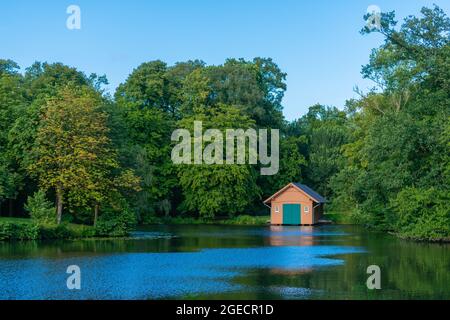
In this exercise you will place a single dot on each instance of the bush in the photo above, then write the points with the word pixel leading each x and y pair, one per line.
pixel 39 208
pixel 82 231
pixel 61 231
pixel 6 230
pixel 422 214
pixel 18 231
pixel 116 221
pixel 13 231
pixel 27 231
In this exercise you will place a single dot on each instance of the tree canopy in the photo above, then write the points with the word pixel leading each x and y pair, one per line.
pixel 383 160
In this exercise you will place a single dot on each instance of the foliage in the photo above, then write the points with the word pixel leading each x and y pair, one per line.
pixel 26 229
pixel 237 220
pixel 383 161
pixel 396 162
pixel 322 132
pixel 292 164
pixel 40 209
pixel 12 103
pixel 423 213
pixel 72 148
pixel 18 231
pixel 116 220
pixel 212 189
pixel 246 220
pixel 149 101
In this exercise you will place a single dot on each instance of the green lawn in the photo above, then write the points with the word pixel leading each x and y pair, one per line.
pixel 28 220
pixel 15 220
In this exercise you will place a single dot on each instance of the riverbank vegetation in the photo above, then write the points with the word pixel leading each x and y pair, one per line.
pixel 14 229
pixel 73 154
pixel 240 220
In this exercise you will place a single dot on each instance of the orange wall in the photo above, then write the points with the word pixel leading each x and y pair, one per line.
pixel 294 196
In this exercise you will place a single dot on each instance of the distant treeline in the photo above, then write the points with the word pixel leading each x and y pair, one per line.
pixel 383 160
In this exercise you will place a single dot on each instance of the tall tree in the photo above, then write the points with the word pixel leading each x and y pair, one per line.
pixel 326 130
pixel 71 149
pixel 394 165
pixel 12 104
pixel 214 189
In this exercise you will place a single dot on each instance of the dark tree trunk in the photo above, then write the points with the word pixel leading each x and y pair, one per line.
pixel 95 214
pixel 11 207
pixel 59 204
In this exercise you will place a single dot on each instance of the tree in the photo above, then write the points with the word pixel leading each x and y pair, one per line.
pixel 256 87
pixel 12 103
pixel 324 130
pixel 39 208
pixel 150 101
pixel 212 189
pixel 395 163
pixel 292 165
pixel 71 150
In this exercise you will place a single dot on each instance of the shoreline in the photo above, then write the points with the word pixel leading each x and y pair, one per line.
pixel 25 229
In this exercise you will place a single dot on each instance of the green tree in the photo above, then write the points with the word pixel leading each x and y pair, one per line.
pixel 12 104
pixel 292 165
pixel 39 208
pixel 256 87
pixel 322 132
pixel 71 149
pixel 150 101
pixel 395 170
pixel 213 189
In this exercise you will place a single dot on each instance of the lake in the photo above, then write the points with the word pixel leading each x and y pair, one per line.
pixel 228 262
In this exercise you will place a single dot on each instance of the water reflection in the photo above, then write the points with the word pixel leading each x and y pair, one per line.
pixel 228 262
pixel 155 275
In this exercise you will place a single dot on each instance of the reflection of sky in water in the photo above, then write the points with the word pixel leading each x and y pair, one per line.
pixel 155 275
pixel 151 235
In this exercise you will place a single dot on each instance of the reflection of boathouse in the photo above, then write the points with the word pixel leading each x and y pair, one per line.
pixel 289 236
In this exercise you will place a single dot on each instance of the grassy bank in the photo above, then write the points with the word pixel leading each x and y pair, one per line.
pixel 16 229
pixel 239 220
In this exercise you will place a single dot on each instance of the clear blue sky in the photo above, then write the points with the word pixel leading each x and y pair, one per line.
pixel 316 42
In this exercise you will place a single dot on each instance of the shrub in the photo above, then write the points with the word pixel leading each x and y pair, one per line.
pixel 422 213
pixel 39 208
pixel 27 231
pixel 18 231
pixel 11 231
pixel 82 231
pixel 150 219
pixel 6 230
pixel 55 232
pixel 116 221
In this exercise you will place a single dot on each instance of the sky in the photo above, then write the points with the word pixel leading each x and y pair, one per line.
pixel 317 43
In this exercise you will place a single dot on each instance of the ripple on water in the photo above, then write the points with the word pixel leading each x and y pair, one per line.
pixel 156 275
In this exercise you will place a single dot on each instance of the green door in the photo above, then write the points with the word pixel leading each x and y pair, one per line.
pixel 291 214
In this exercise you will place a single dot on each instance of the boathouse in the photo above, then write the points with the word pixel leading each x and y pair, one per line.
pixel 295 204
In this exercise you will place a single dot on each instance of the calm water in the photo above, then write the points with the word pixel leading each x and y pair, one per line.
pixel 228 262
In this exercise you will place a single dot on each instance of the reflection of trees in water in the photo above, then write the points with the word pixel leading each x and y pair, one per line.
pixel 408 269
